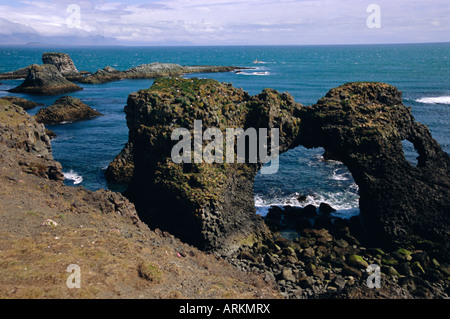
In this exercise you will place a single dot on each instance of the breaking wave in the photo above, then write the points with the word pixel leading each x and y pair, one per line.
pixel 346 203
pixel 435 100
pixel 72 176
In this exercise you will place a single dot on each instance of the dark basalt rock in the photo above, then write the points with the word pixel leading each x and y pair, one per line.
pixel 62 61
pixel 65 109
pixel 121 170
pixel 107 74
pixel 208 205
pixel 364 124
pixel 45 80
pixel 361 124
pixel 326 208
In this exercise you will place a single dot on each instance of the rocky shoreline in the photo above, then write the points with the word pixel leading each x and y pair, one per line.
pixel 330 259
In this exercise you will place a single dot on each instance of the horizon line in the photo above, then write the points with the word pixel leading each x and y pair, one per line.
pixel 215 45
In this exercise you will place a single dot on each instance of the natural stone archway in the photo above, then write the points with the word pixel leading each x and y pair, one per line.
pixel 212 205
pixel 364 124
pixel 208 205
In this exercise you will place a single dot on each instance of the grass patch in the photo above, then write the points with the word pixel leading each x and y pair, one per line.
pixel 149 272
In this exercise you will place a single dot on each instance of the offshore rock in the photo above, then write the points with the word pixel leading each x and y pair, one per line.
pixel 17 74
pixel 65 109
pixel 62 61
pixel 150 71
pixel 208 205
pixel 45 80
pixel 107 74
pixel 66 67
pixel 364 124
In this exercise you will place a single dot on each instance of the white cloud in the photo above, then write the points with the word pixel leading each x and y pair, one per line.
pixel 235 21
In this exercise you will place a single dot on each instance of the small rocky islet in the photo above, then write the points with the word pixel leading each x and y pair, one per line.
pixel 404 222
pixel 65 109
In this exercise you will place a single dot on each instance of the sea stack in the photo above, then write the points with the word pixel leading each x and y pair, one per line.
pixel 45 80
pixel 62 61
pixel 209 205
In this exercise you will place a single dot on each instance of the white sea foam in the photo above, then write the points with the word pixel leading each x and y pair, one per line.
pixel 435 100
pixel 254 73
pixel 72 176
pixel 340 175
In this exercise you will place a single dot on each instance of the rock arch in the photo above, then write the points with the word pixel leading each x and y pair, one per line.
pixel 212 205
pixel 364 125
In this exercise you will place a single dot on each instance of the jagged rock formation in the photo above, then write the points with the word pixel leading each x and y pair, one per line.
pixel 62 61
pixel 361 124
pixel 121 169
pixel 209 205
pixel 150 71
pixel 107 74
pixel 65 109
pixel 45 80
pixel 23 135
pixel 364 124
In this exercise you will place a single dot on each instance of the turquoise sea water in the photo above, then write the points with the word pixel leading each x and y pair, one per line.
pixel 420 71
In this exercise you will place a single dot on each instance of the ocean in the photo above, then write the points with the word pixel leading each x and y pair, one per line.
pixel 420 71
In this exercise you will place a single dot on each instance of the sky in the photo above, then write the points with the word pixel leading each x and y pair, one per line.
pixel 224 22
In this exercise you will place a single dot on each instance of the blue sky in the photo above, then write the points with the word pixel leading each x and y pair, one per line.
pixel 223 22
